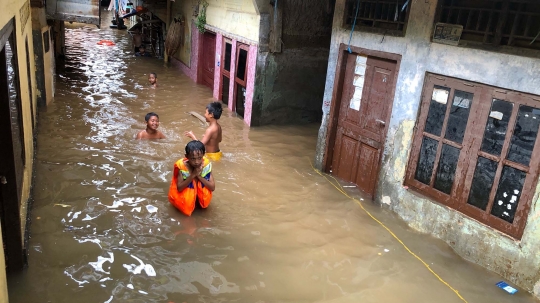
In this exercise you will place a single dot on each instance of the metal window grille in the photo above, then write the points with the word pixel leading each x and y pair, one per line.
pixel 381 15
pixel 495 22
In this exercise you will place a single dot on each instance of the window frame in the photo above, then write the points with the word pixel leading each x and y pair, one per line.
pixel 376 30
pixel 471 151
pixel 506 16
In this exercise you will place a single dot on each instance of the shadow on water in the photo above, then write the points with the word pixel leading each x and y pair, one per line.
pixel 103 230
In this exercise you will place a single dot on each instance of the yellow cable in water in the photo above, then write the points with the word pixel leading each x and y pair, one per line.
pixel 341 190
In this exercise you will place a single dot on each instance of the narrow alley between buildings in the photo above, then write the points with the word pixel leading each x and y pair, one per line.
pixel 102 229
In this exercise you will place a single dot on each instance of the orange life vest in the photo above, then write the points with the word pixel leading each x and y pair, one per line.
pixel 185 200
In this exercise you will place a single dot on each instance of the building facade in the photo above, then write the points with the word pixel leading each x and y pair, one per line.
pixel 266 60
pixel 433 109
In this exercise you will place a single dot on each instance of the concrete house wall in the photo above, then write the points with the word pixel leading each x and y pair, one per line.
pixel 20 12
pixel 517 261
pixel 290 83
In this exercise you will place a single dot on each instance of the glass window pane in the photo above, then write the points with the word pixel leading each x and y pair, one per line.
pixel 428 151
pixel 444 179
pixel 496 127
pixel 459 114
pixel 225 90
pixel 525 133
pixel 482 182
pixel 228 52
pixel 437 110
pixel 242 62
pixel 508 193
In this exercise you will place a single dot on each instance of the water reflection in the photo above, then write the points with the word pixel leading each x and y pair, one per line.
pixel 103 230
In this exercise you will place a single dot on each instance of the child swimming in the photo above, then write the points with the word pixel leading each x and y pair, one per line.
pixel 151 131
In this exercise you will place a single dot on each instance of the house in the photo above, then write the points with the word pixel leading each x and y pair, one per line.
pixel 19 63
pixel 266 60
pixel 433 109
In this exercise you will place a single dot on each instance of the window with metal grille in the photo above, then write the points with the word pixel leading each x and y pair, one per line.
pixel 476 149
pixel 494 22
pixel 380 16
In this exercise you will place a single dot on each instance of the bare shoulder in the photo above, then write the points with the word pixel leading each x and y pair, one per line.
pixel 141 135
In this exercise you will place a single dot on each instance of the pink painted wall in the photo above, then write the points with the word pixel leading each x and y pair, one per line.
pixel 250 85
pixel 233 73
pixel 191 72
pixel 217 65
pixel 196 40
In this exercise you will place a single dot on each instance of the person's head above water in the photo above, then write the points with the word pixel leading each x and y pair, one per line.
pixel 213 110
pixel 150 115
pixel 152 78
pixel 195 151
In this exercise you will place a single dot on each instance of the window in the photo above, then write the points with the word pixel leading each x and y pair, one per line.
pixel 381 16
pixel 475 149
pixel 494 22
pixel 46 41
pixel 9 54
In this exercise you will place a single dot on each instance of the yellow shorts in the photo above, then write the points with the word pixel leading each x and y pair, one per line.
pixel 214 156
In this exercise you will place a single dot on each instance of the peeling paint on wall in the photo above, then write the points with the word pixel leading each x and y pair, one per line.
pixel 517 261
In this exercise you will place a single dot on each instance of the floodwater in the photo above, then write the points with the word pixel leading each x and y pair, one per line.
pixel 103 231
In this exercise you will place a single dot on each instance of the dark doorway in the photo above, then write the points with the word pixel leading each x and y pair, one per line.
pixel 12 150
pixel 208 59
pixel 363 115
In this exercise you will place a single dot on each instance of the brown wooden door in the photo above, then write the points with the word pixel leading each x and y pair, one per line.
pixel 364 114
pixel 226 60
pixel 208 60
pixel 240 80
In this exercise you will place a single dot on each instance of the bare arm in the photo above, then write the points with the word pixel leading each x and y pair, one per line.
pixel 210 184
pixel 190 134
pixel 139 135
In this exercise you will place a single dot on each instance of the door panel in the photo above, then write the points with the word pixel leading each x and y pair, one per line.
pixel 208 60
pixel 367 167
pixel 348 150
pixel 362 121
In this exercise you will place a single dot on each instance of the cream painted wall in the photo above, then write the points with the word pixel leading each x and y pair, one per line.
pixel 12 9
pixel 48 67
pixel 237 17
pixel 184 9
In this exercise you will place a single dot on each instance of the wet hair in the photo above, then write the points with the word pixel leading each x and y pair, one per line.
pixel 150 115
pixel 215 109
pixel 155 75
pixel 195 146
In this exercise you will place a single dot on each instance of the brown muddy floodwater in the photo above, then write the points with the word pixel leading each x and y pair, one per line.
pixel 103 231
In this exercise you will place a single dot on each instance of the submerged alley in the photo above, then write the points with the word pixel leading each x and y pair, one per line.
pixel 326 192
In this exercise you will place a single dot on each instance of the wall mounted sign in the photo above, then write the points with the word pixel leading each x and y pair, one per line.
pixel 24 14
pixel 447 33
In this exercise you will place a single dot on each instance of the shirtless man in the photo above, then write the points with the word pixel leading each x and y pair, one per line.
pixel 151 132
pixel 212 135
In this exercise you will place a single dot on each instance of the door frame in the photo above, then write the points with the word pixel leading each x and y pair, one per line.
pixel 223 71
pixel 337 95
pixel 237 81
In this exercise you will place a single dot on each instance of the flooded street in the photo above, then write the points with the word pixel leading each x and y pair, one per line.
pixel 276 231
